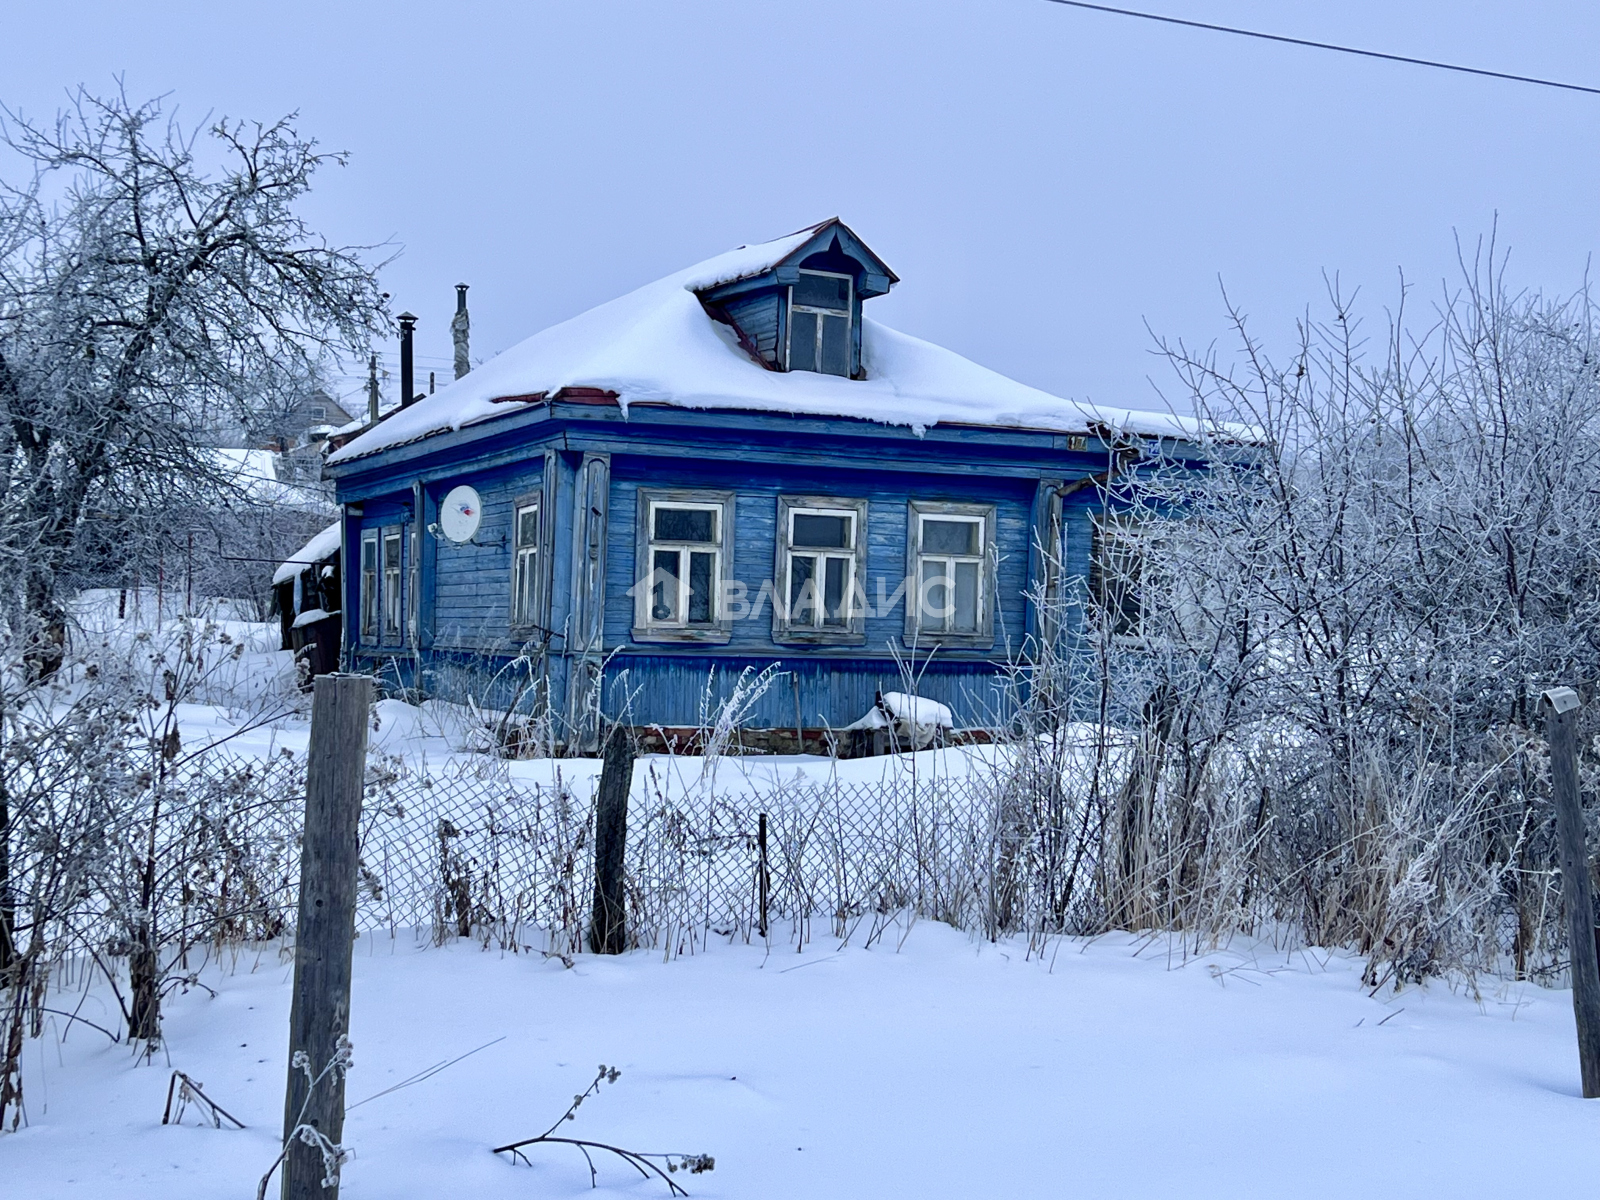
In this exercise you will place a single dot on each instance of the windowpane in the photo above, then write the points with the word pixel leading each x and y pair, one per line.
pixel 1116 578
pixel 702 579
pixel 835 345
pixel 802 588
pixel 685 525
pixel 949 537
pixel 965 617
pixel 369 586
pixel 822 530
pixel 934 593
pixel 391 552
pixel 802 341
pixel 822 291
pixel 664 589
pixel 834 595
pixel 528 525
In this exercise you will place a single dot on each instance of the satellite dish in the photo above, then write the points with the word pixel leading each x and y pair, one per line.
pixel 460 513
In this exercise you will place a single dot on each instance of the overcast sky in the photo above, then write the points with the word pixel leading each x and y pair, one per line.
pixel 1046 182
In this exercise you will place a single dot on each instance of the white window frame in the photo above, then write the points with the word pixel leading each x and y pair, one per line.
pixel 413 577
pixel 646 626
pixel 525 563
pixel 1139 538
pixel 369 606
pixel 786 626
pixel 846 312
pixel 926 629
pixel 390 590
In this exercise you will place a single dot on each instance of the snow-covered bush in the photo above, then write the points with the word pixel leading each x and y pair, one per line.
pixel 1328 646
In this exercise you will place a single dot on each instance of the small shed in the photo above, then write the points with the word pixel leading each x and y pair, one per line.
pixel 308 593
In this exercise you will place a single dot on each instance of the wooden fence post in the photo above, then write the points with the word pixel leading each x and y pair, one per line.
pixel 608 932
pixel 1561 713
pixel 336 768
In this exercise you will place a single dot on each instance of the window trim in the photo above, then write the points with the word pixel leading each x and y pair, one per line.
pixel 531 620
pixel 848 313
pixel 394 636
pixel 720 629
pixel 916 511
pixel 1136 534
pixel 853 632
pixel 369 605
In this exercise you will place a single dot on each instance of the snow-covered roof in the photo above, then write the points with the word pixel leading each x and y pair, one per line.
pixel 658 344
pixel 255 474
pixel 317 549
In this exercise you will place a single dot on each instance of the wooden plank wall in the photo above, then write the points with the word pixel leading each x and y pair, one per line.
pixel 470 587
pixel 838 683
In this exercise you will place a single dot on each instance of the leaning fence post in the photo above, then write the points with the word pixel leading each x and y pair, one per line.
pixel 320 1017
pixel 761 847
pixel 1561 712
pixel 608 932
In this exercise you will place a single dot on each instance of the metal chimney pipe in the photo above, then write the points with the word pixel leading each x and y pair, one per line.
pixel 408 325
pixel 459 324
pixel 372 389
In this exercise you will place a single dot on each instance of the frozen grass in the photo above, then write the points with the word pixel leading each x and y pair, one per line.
pixel 941 1068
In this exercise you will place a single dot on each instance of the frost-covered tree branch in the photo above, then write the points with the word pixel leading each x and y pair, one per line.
pixel 153 280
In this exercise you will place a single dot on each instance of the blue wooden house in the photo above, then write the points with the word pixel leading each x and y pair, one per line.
pixel 731 468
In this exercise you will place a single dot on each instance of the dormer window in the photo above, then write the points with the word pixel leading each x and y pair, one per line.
pixel 819 323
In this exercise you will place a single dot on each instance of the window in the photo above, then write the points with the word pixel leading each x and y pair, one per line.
pixel 684 559
pixel 391 585
pixel 951 553
pixel 681 566
pixel 525 564
pixel 319 412
pixel 1116 573
pixel 821 543
pixel 819 323
pixel 414 582
pixel 369 585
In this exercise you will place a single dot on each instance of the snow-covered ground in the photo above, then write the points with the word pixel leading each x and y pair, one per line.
pixel 929 1065
pixel 935 1067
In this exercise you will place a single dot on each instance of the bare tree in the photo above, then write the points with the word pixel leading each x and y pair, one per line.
pixel 1386 554
pixel 151 282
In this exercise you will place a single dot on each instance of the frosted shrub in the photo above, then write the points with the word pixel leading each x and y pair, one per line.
pixel 1343 623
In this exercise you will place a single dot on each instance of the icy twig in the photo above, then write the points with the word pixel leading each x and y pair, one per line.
pixel 646 1163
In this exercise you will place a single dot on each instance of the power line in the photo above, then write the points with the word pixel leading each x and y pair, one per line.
pixel 1294 41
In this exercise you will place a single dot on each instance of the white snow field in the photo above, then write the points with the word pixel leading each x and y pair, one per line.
pixel 929 1065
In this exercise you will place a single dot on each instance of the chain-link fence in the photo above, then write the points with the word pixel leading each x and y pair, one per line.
pixel 472 851
pixel 469 850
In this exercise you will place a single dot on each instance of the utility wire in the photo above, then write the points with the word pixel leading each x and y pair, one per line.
pixel 1294 41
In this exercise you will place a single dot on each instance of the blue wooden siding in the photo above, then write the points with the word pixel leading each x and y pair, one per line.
pixel 758 318
pixel 755 541
pixel 683 688
pixel 472 580
pixel 758 457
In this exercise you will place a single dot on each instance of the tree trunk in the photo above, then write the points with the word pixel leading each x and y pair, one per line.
pixel 144 965
pixel 46 646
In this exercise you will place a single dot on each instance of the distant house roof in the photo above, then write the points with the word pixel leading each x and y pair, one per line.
pixel 255 474
pixel 658 344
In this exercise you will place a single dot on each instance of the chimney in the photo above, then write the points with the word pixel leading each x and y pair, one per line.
pixel 408 325
pixel 372 390
pixel 458 331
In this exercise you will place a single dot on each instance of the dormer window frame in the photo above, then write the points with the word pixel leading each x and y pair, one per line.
pixel 822 314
